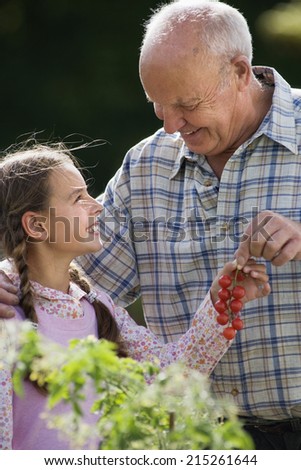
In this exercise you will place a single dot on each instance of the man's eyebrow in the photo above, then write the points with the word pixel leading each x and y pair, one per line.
pixel 188 102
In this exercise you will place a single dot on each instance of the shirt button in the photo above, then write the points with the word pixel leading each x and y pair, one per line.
pixel 207 183
pixel 234 392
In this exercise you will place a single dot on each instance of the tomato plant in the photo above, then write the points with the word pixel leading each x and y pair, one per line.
pixel 139 406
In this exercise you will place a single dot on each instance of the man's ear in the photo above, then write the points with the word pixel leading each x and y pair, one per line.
pixel 243 71
pixel 34 226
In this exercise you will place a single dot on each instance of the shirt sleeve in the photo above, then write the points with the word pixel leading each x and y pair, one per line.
pixel 200 348
pixel 6 392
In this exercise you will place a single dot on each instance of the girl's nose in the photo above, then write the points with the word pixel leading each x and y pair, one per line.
pixel 98 207
pixel 94 206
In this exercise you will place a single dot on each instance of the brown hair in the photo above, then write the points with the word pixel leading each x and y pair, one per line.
pixel 24 186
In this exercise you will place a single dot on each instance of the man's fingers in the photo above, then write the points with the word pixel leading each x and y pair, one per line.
pixel 8 296
pixel 252 265
pixel 6 283
pixel 263 237
pixel 8 287
pixel 6 311
pixel 264 290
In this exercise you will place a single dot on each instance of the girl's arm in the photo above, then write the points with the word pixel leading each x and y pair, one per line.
pixel 203 345
pixel 200 348
pixel 6 391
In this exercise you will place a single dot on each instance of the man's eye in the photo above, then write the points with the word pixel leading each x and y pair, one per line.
pixel 191 107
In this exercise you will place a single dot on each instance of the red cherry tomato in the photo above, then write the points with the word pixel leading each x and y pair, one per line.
pixel 240 276
pixel 237 323
pixel 222 319
pixel 224 294
pixel 225 281
pixel 236 305
pixel 238 292
pixel 229 332
pixel 220 306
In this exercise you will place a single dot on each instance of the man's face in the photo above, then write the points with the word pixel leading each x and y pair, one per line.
pixel 194 99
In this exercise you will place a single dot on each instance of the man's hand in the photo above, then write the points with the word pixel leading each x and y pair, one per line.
pixel 272 237
pixel 8 296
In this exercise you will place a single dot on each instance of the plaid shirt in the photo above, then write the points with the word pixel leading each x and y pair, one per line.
pixel 169 225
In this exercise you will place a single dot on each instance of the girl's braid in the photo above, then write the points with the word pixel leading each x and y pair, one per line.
pixel 106 324
pixel 27 293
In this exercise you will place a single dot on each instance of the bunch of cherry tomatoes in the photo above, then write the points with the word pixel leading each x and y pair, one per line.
pixel 229 304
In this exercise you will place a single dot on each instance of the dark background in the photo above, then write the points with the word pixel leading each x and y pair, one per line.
pixel 69 70
pixel 70 67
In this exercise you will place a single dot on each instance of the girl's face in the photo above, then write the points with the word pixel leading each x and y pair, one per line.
pixel 72 224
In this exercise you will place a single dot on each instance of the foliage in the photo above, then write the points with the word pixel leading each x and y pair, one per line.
pixel 71 67
pixel 282 25
pixel 139 406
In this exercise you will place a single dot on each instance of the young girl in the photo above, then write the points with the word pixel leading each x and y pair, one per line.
pixel 47 219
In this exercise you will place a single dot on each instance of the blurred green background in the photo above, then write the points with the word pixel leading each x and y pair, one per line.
pixel 70 67
pixel 69 70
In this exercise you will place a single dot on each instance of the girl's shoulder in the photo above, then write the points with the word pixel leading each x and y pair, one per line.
pixel 120 315
pixel 102 297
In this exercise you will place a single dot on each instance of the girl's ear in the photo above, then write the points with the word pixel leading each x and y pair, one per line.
pixel 34 226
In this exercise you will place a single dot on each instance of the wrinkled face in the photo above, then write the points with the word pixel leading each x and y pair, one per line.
pixel 194 99
pixel 72 215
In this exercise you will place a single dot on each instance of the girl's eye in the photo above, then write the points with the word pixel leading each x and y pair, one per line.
pixel 79 198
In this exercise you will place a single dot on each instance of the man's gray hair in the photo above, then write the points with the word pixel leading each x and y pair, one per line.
pixel 222 29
